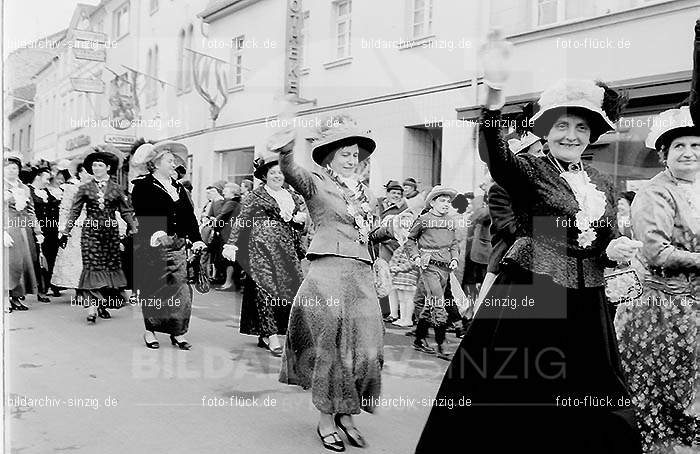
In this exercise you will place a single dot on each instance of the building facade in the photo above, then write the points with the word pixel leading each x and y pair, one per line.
pixel 211 74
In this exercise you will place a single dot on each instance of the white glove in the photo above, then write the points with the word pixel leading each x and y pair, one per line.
pixel 622 249
pixel 300 217
pixel 229 252
pixel 7 239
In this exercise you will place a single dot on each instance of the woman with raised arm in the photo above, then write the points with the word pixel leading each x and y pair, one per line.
pixel 538 370
pixel 335 336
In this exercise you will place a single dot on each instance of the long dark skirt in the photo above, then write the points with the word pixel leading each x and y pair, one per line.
pixel 336 337
pixel 262 314
pixel 164 294
pixel 20 272
pixel 532 373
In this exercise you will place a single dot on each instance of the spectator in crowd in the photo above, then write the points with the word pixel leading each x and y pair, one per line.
pixel 624 204
pixel 414 199
pixel 223 225
pixel 391 204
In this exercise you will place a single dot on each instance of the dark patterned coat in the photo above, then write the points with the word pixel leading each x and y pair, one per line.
pixel 270 252
pixel 99 243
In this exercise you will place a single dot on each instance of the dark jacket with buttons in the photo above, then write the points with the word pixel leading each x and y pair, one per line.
pixel 157 211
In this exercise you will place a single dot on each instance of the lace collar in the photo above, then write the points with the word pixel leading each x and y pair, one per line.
pixel 284 202
pixel 591 201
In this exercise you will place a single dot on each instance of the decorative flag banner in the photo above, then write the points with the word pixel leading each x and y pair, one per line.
pixel 210 76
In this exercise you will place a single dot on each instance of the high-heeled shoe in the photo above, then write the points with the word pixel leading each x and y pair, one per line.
pixel 336 445
pixel 154 345
pixel 357 441
pixel 43 299
pixel 182 345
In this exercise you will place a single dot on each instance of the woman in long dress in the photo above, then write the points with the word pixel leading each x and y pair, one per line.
pixel 658 333
pixel 267 241
pixel 538 370
pixel 167 221
pixel 20 235
pixel 69 261
pixel 46 210
pixel 335 337
pixel 102 280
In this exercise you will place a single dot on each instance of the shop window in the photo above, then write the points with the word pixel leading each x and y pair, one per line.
pixel 236 165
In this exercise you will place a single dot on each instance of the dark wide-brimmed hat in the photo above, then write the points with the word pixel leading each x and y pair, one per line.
pixel 262 164
pixel 669 125
pixel 340 131
pixel 578 97
pixel 109 156
pixel 393 184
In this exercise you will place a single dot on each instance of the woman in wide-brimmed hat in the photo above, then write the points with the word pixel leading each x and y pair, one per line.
pixel 658 333
pixel 267 236
pixel 102 280
pixel 541 355
pixel 335 340
pixel 22 232
pixel 166 222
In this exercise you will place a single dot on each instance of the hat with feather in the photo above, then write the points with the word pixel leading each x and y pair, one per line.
pixel 595 101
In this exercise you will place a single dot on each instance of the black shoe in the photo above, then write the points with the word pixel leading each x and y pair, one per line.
pixel 441 353
pixel 92 318
pixel 336 445
pixel 263 344
pixel 154 345
pixel 422 346
pixel 56 292
pixel 21 298
pixel 102 313
pixel 15 305
pixel 358 442
pixel 43 299
pixel 184 345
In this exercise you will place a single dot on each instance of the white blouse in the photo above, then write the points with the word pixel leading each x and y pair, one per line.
pixel 284 202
